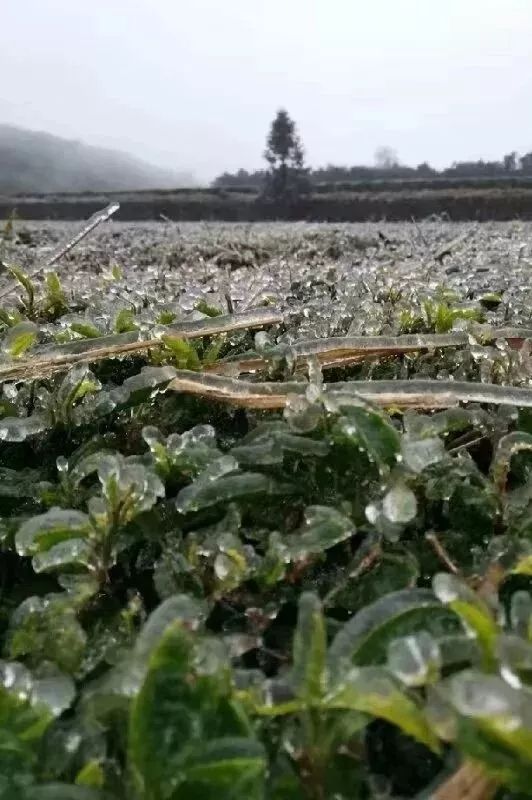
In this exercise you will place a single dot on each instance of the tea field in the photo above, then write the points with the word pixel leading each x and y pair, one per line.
pixel 266 511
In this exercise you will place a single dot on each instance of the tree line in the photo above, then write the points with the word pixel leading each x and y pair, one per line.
pixel 286 176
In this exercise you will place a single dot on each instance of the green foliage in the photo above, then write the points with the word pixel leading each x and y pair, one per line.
pixel 188 737
pixel 205 601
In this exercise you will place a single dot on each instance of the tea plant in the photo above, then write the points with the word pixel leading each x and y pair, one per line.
pixel 280 552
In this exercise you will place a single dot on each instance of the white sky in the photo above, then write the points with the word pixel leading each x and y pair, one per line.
pixel 194 84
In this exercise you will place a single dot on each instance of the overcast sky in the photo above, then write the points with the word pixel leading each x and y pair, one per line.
pixel 193 84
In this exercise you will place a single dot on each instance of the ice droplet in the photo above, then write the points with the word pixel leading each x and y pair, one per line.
pixel 446 587
pixel 400 504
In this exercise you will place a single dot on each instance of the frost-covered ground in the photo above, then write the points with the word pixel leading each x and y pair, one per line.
pixel 354 266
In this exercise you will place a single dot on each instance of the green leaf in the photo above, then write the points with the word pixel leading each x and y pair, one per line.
pixel 55 296
pixel 212 352
pixel 26 283
pixel 270 442
pixel 20 338
pixel 27 707
pixel 228 768
pixel 187 738
pixel 86 329
pixel 177 609
pixel 91 775
pixel 324 527
pixel 371 690
pixel 125 321
pixel 67 554
pixel 47 629
pixel 206 492
pixel 21 728
pixel 365 638
pixel 207 309
pixel 474 613
pixel 183 352
pixel 309 650
pixel 495 726
pixel 371 431
pixel 43 531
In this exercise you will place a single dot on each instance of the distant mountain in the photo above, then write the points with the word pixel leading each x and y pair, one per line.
pixel 32 161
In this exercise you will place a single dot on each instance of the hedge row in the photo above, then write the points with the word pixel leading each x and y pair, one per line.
pixel 474 204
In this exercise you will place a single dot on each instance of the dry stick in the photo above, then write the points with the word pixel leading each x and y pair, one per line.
pixel 396 394
pixel 93 222
pixel 92 350
pixel 341 351
pixel 442 553
pixel 331 352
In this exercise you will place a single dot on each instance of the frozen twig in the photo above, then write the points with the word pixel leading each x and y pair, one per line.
pixel 90 225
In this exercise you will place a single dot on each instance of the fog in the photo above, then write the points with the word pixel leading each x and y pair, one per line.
pixel 193 85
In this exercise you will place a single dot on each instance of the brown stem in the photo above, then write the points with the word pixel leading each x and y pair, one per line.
pixel 442 553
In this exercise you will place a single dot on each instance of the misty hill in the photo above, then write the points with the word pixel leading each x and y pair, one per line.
pixel 32 161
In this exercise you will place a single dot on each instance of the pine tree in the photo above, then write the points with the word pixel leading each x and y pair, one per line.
pixel 287 176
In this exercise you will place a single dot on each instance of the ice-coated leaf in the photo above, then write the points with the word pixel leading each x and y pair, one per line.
pixel 186 454
pixel 47 629
pixel 323 528
pixel 128 488
pixel 508 445
pixel 20 338
pixel 473 612
pixel 418 454
pixel 228 766
pixel 399 504
pixel 143 386
pixel 515 657
pixel 22 725
pixel 41 532
pixel 365 637
pixel 77 384
pixel 85 328
pixel 18 482
pixel 416 659
pixel 309 650
pixel 372 691
pixel 179 608
pixel 56 300
pixel 496 726
pixel 65 554
pixel 204 493
pixel 186 737
pixel 268 443
pixel 18 429
pixel 370 430
pixel 55 693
